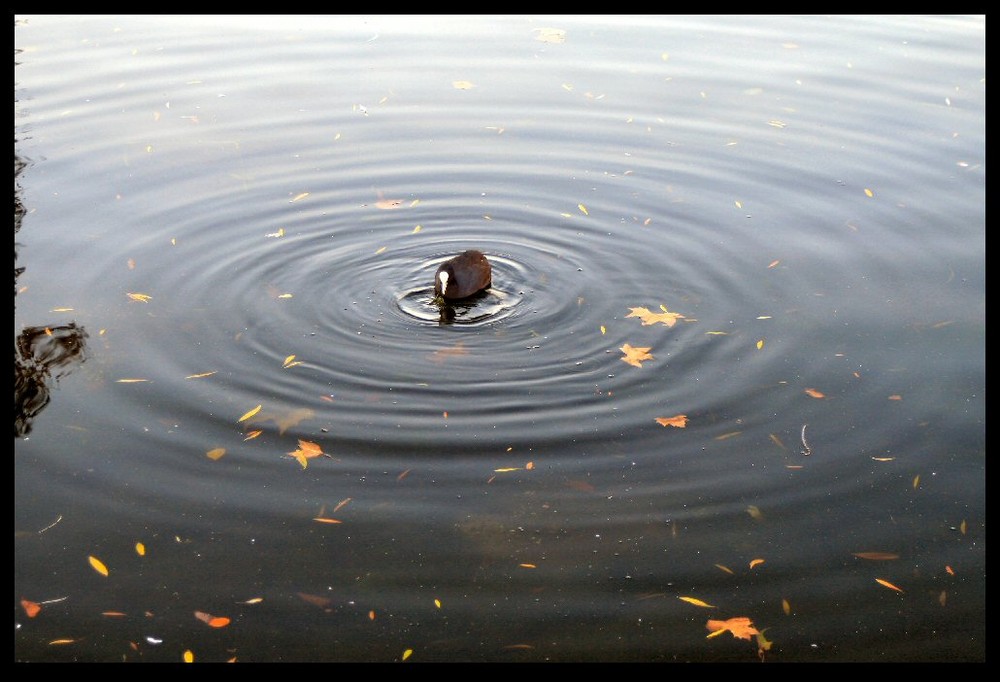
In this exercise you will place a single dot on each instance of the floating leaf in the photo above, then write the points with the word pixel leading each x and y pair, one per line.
pixel 131 381
pixel 321 519
pixel 755 513
pixel 741 627
pixel 199 376
pixel 696 602
pixel 254 600
pixel 307 450
pixel 886 583
pixel 527 566
pixel 786 607
pixel 876 556
pixel 215 453
pixel 869 193
pixel 814 393
pixel 212 621
pixel 648 317
pixel 895 397
pixel 773 263
pixel 31 608
pixel 249 414
pixel 437 603
pixel 98 565
pixel 756 562
pixel 550 35
pixel 916 481
pixel 298 197
pixel 388 205
pixel 725 568
pixel 59 642
pixel 635 356
pixel 680 421
pixel 188 656
pixel 140 549
pixel 252 434
pixel 142 298
pixel 407 654
pixel 583 209
pixel 462 85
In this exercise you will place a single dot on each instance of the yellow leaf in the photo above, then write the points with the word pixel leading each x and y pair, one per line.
pixel 199 376
pixel 297 197
pixel 61 641
pixel 916 481
pixel 62 310
pixel 886 583
pixel 254 600
pixel 603 330
pixel 635 356
pixel 648 317
pixel 416 229
pixel 140 549
pixel 98 565
pixel 407 654
pixel 249 414
pixel 696 602
pixel 189 656
pixel 962 527
pixel 760 343
pixel 215 453
pixel 462 85
pixel 325 520
pixel 680 421
pixel 786 607
pixel 142 298
pixel 131 381
pixel 287 360
pixel 583 209
pixel 755 513
pixel 551 35
pixel 437 603
pixel 869 193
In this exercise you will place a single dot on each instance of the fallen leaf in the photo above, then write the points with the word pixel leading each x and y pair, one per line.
pixel 876 556
pixel 786 607
pixel 755 513
pixel 31 608
pixel 680 421
pixel 725 568
pixel 199 376
pixel 299 197
pixel 322 519
pixel 307 450
pixel 756 562
pixel 98 565
pixel 814 393
pixel 462 85
pixel 583 209
pixel 188 656
pixel 439 356
pixel 58 642
pixel 741 627
pixel 648 317
pixel 696 602
pixel 140 549
pixel 131 381
pixel 635 356
pixel 142 298
pixel 407 654
pixel 249 414
pixel 760 344
pixel 895 397
pixel 213 621
pixel 550 35
pixel 773 263
pixel 886 583
pixel 215 453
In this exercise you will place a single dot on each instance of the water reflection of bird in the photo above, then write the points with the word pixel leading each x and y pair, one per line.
pixel 462 276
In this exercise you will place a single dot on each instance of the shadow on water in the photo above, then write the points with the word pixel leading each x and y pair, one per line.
pixel 43 352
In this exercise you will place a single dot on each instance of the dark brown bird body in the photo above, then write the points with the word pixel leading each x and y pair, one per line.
pixel 462 276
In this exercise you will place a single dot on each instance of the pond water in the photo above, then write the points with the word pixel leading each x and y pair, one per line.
pixel 244 430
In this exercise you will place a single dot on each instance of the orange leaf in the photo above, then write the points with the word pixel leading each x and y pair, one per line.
pixel 648 317
pixel 215 453
pixel 634 356
pixel 213 621
pixel 886 583
pixel 741 627
pixel 696 602
pixel 876 556
pixel 249 414
pixel 680 421
pixel 814 393
pixel 756 562
pixel 30 608
pixel 322 520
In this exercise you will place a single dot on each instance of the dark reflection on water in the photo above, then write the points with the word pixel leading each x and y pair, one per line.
pixel 230 214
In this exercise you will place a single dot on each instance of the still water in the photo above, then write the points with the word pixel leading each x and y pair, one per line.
pixel 245 431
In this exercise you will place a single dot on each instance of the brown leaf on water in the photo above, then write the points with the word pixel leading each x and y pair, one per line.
pixel 741 627
pixel 635 356
pixel 215 453
pixel 439 356
pixel 323 519
pixel 315 599
pixel 680 421
pixel 814 393
pixel 725 568
pixel 786 607
pixel 876 556
pixel 648 317
pixel 284 420
pixel 31 608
